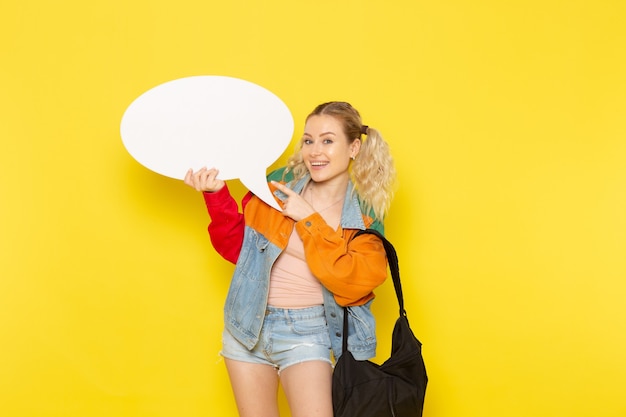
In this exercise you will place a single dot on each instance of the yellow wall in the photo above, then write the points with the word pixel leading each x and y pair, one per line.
pixel 507 121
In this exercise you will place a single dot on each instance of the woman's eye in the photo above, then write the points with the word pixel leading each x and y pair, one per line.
pixel 308 141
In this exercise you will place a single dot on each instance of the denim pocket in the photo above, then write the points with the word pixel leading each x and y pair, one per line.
pixel 363 331
pixel 252 259
pixel 310 326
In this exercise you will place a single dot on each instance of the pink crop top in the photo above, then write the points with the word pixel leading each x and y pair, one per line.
pixel 292 285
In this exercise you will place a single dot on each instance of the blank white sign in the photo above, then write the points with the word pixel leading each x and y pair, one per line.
pixel 227 123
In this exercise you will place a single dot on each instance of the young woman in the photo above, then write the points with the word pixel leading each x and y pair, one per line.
pixel 296 269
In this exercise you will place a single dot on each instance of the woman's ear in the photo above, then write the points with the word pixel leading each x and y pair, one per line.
pixel 355 147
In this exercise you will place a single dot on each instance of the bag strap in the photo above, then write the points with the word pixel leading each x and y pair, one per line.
pixel 392 260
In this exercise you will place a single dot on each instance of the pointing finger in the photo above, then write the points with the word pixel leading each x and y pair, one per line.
pixel 284 188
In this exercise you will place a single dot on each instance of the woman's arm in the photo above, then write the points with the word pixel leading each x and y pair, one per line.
pixel 349 268
pixel 227 223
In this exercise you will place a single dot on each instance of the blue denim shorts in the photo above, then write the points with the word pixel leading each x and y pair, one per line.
pixel 288 337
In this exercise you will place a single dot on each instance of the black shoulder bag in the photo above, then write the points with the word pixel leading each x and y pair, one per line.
pixel 395 388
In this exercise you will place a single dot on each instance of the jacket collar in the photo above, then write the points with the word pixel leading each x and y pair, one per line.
pixel 351 216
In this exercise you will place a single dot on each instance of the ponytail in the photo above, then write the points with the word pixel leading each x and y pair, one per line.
pixel 373 174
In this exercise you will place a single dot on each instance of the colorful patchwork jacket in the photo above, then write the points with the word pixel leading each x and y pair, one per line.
pixel 349 269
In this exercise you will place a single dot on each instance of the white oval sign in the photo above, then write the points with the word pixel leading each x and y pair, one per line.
pixel 233 125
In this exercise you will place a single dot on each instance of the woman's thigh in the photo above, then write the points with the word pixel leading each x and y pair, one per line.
pixel 308 388
pixel 255 387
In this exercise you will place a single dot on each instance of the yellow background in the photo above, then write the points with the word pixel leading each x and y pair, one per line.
pixel 507 120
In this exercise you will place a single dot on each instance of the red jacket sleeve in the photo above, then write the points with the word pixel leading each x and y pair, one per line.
pixel 227 223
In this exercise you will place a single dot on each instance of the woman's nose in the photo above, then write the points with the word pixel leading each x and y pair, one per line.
pixel 316 148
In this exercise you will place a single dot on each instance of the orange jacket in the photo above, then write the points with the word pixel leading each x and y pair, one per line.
pixel 349 268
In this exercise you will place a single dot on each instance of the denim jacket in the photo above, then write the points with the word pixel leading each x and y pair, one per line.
pixel 247 298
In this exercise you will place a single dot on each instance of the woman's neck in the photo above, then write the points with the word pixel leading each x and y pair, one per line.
pixel 328 191
pixel 327 200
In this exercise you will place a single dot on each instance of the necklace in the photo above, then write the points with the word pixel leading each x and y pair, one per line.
pixel 310 192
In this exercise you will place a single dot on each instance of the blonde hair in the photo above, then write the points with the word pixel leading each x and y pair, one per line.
pixel 372 171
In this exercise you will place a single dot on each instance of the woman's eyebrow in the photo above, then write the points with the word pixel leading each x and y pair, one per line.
pixel 321 134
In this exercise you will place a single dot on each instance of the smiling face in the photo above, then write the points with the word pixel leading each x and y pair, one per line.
pixel 326 151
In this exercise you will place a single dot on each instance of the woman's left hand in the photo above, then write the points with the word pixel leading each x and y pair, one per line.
pixel 294 205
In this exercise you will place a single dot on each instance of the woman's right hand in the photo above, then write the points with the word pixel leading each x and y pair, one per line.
pixel 204 180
